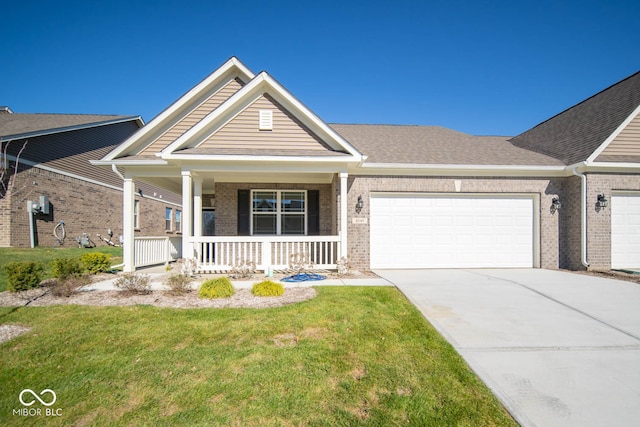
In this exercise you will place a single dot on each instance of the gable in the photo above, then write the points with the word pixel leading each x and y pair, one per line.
pixel 625 146
pixel 243 131
pixel 193 117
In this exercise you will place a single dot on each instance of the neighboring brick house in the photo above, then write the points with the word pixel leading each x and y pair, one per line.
pixel 53 153
pixel 565 194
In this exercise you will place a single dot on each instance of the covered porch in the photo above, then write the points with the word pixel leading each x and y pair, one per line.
pixel 229 219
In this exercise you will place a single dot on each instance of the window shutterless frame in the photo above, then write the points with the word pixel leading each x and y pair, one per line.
pixel 279 212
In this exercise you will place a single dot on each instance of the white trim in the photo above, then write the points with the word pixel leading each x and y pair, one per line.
pixel 231 64
pixel 613 136
pixel 250 158
pixel 458 170
pixel 37 133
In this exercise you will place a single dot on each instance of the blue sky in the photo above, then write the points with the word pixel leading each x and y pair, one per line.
pixel 481 67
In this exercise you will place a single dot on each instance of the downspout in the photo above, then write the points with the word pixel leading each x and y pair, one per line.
pixel 116 171
pixel 583 215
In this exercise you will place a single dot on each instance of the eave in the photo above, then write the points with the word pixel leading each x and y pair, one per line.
pixel 459 170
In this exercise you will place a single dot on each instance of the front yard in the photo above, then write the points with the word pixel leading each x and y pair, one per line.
pixel 350 356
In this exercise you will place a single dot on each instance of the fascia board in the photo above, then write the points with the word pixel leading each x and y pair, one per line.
pixel 219 73
pixel 262 83
pixel 257 159
pixel 45 132
pixel 613 136
pixel 612 167
pixel 458 170
pixel 118 162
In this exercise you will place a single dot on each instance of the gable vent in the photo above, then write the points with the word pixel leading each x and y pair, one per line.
pixel 266 120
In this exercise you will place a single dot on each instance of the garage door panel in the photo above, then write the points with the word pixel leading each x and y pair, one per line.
pixel 451 232
pixel 625 230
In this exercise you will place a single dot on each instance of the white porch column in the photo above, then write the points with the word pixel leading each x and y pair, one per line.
pixel 343 213
pixel 197 205
pixel 187 215
pixel 128 234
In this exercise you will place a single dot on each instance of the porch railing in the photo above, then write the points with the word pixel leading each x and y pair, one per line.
pixel 222 253
pixel 156 250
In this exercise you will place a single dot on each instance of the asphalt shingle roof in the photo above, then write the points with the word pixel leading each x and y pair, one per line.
pixel 20 124
pixel 573 135
pixel 436 145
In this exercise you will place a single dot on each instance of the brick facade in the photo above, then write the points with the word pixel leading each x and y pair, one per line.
pixel 83 206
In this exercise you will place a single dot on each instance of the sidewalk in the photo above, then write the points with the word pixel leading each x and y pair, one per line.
pixel 157 275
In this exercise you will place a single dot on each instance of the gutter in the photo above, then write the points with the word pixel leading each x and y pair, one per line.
pixel 583 214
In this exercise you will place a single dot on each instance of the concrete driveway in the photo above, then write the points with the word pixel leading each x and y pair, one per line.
pixel 557 348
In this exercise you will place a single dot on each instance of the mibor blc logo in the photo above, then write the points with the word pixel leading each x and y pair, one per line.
pixel 28 397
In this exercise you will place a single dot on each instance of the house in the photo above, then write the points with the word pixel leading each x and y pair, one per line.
pixel 277 180
pixel 56 195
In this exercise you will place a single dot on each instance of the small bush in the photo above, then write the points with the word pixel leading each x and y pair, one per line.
pixel 243 269
pixel 22 276
pixel 267 288
pixel 63 268
pixel 134 283
pixel 216 288
pixel 96 262
pixel 66 288
pixel 179 284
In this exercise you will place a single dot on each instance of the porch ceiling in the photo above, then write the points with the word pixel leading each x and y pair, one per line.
pixel 174 183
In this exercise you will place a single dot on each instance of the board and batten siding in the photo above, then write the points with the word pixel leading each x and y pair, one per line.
pixel 243 131
pixel 192 118
pixel 627 143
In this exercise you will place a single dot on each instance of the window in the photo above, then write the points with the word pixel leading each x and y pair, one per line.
pixel 136 214
pixel 168 213
pixel 178 220
pixel 278 212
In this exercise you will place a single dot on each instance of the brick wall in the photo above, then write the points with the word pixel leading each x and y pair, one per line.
pixel 227 204
pixel 546 189
pixel 84 207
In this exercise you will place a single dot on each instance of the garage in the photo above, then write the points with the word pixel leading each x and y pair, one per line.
pixel 453 231
pixel 625 230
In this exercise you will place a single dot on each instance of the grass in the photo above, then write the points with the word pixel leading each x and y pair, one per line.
pixel 351 356
pixel 46 255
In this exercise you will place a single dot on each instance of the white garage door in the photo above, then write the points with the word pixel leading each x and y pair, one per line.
pixel 461 231
pixel 625 230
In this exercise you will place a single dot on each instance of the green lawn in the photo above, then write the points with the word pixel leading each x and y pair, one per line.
pixel 350 356
pixel 46 255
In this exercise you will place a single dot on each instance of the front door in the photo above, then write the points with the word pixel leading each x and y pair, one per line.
pixel 208 222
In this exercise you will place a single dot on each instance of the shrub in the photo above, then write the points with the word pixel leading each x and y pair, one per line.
pixel 134 283
pixel 63 268
pixel 267 288
pixel 96 262
pixel 178 284
pixel 22 276
pixel 216 288
pixel 243 269
pixel 66 288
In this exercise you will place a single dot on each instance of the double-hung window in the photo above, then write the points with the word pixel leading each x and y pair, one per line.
pixel 178 220
pixel 278 212
pixel 168 212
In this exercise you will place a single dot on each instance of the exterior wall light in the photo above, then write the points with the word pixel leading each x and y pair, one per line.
pixel 602 202
pixel 555 205
pixel 359 204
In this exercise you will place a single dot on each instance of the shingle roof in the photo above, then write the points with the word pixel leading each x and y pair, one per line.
pixel 573 135
pixel 436 145
pixel 19 125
